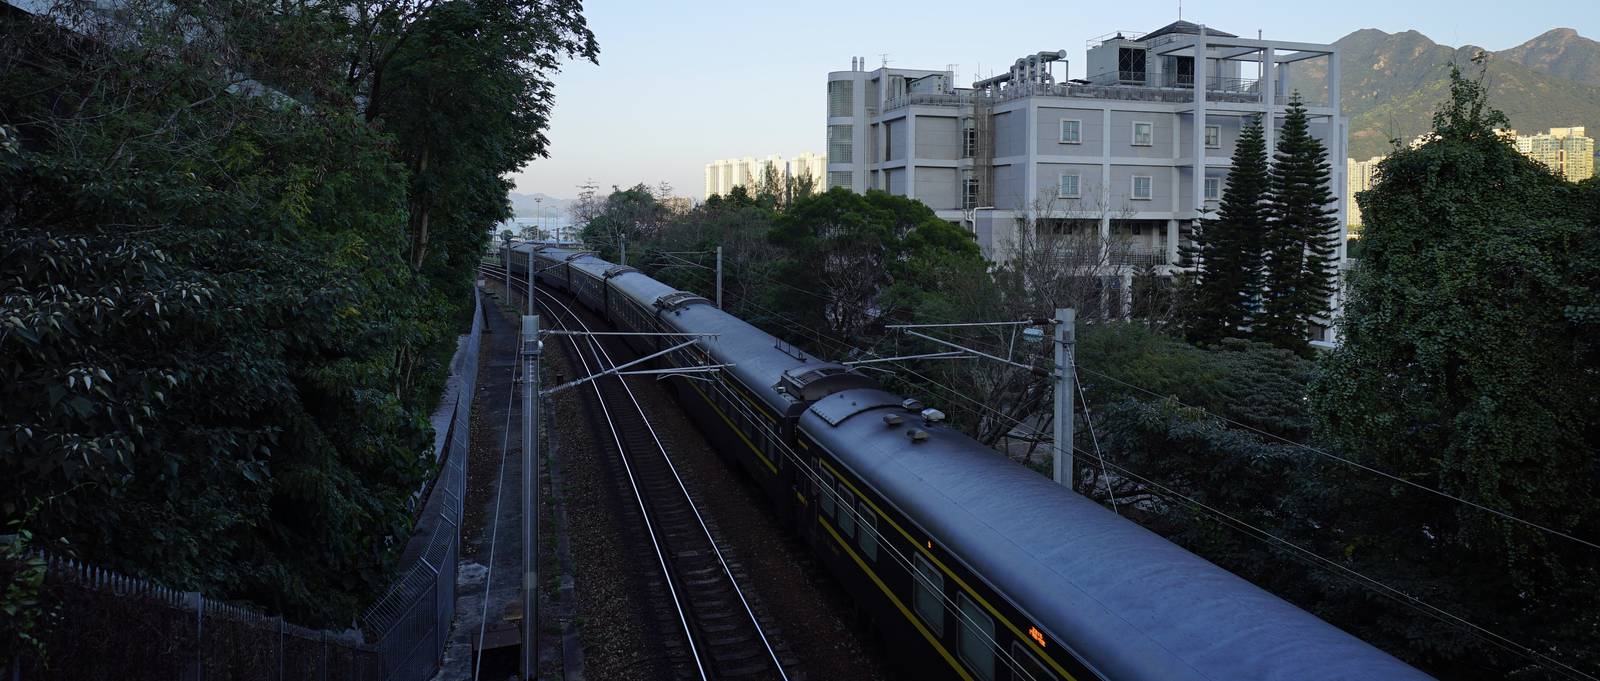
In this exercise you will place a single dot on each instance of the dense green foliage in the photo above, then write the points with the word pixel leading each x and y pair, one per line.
pixel 1469 366
pixel 1301 241
pixel 1227 249
pixel 226 301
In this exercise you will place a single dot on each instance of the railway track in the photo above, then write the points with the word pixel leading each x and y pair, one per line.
pixel 723 638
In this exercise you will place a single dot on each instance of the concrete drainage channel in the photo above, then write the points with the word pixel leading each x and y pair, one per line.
pixel 488 605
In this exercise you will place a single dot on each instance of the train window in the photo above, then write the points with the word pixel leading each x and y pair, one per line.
pixel 928 595
pixel 977 638
pixel 825 493
pixel 869 530
pixel 847 514
pixel 1026 666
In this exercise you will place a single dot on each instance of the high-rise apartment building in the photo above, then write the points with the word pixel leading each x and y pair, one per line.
pixel 1361 175
pixel 723 175
pixel 1568 151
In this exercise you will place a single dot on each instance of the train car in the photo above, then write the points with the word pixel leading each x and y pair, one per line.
pixel 969 565
pixel 586 278
pixel 1002 574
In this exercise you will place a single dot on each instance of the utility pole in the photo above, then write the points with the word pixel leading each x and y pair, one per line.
pixel 622 240
pixel 530 493
pixel 530 281
pixel 719 277
pixel 1066 339
pixel 508 269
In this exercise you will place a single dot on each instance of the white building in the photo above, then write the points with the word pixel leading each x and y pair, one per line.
pixel 725 174
pixel 1359 177
pixel 1138 150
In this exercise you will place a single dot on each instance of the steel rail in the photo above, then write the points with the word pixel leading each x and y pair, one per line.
pixel 602 358
pixel 738 591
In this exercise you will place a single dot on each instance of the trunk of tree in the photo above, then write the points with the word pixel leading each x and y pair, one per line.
pixel 420 214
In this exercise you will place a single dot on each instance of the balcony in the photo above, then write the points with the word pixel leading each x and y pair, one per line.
pixel 959 98
pixel 1116 258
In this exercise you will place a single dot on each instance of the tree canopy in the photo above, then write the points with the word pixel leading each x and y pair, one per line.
pixel 1469 366
pixel 240 241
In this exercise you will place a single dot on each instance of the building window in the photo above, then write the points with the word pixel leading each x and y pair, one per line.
pixel 840 97
pixel 1067 188
pixel 841 143
pixel 888 141
pixel 969 138
pixel 1142 187
pixel 839 178
pixel 927 595
pixel 1130 65
pixel 869 530
pixel 1071 131
pixel 825 493
pixel 847 515
pixel 1213 188
pixel 1213 137
pixel 977 638
pixel 1144 134
pixel 969 192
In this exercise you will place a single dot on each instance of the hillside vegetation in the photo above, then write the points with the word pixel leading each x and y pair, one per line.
pixel 240 239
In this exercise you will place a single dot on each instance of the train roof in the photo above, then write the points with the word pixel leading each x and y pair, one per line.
pixel 759 360
pixel 1132 604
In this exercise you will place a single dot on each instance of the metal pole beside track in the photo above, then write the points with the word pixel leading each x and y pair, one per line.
pixel 1066 337
pixel 530 492
pixel 719 277
pixel 530 281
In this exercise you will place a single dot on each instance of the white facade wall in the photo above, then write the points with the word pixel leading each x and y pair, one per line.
pixel 901 130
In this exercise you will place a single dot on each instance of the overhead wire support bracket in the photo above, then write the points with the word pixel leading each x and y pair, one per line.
pixel 1035 369
pixel 1019 322
pixel 618 369
pixel 951 354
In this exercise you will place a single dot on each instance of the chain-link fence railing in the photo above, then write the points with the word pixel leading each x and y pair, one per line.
pixel 120 627
pixel 411 622
pixel 130 629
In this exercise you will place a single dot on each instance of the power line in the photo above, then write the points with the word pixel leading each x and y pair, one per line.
pixel 1391 592
pixel 1089 419
pixel 1356 464
pixel 1321 452
pixel 1383 589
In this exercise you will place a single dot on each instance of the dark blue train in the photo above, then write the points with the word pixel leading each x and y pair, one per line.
pixel 969 565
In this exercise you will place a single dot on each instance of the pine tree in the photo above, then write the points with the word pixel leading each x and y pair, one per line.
pixel 1300 243
pixel 1228 248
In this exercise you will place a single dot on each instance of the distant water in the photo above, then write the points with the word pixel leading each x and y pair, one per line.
pixel 549 224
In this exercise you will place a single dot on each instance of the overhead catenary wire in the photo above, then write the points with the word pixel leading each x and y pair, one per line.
pixel 860 522
pixel 1384 589
pixel 1365 467
pixel 1387 590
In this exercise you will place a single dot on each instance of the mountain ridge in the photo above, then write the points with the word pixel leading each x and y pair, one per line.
pixel 1391 83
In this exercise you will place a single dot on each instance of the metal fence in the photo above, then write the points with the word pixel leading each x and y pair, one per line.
pixel 410 623
pixel 180 635
pixel 183 635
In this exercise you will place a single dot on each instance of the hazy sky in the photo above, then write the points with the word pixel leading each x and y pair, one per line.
pixel 682 83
